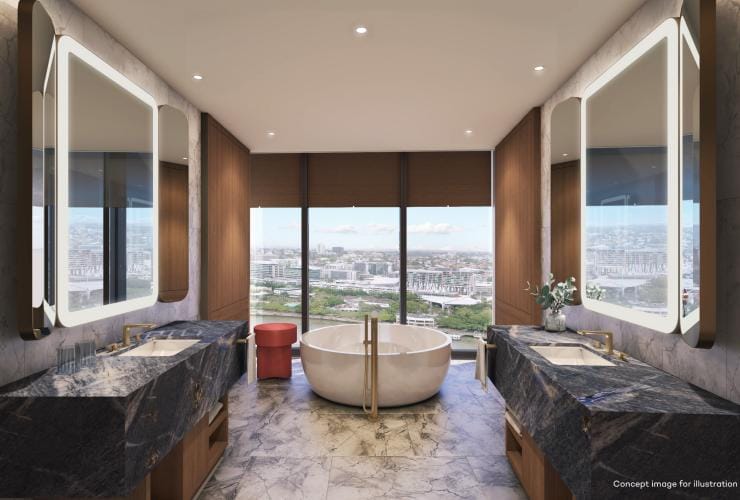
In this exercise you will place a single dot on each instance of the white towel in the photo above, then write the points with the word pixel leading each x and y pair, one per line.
pixel 481 371
pixel 251 359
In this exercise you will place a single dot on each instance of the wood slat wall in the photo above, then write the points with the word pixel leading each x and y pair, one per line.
pixel 174 238
pixel 518 222
pixel 225 226
pixel 565 232
pixel 275 180
pixel 455 178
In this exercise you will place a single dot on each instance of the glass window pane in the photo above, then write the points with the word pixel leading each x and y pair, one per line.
pixel 275 268
pixel 450 271
pixel 353 265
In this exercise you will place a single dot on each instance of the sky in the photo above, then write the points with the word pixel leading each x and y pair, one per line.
pixel 435 228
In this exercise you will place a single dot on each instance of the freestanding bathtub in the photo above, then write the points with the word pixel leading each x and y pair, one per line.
pixel 412 363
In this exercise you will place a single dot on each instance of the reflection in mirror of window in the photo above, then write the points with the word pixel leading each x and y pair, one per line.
pixel 629 191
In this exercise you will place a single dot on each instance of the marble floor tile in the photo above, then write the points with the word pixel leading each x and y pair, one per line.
pixel 400 477
pixel 280 477
pixel 494 470
pixel 456 433
pixel 224 483
pixel 287 442
pixel 306 434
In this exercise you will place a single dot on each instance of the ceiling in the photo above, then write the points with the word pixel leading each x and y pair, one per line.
pixel 426 71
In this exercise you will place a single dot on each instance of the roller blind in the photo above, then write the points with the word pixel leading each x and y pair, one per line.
pixel 455 178
pixel 354 179
pixel 275 180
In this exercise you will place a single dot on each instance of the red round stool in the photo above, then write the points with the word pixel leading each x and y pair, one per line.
pixel 273 342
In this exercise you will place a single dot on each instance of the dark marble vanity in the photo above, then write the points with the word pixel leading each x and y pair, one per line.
pixel 630 422
pixel 100 431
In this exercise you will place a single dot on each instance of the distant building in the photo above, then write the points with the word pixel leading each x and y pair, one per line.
pixel 339 274
pixel 338 250
pixel 427 321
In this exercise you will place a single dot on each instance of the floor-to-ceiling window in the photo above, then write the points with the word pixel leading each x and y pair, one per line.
pixel 408 236
pixel 275 268
pixel 450 271
pixel 353 264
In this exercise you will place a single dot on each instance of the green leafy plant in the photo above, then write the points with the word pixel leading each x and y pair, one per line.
pixel 553 296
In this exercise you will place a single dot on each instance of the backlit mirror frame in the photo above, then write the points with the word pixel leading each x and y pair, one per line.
pixel 666 31
pixel 67 46
pixel 35 287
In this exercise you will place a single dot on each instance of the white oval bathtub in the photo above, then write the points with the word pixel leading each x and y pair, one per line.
pixel 412 363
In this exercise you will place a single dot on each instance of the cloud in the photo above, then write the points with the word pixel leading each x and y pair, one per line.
pixel 429 228
pixel 341 229
pixel 382 228
pixel 291 225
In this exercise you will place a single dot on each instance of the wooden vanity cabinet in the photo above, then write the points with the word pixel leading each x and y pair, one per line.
pixel 539 479
pixel 181 474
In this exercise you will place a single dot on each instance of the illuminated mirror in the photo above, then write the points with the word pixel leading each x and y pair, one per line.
pixel 629 185
pixel 173 205
pixel 107 240
pixel 565 189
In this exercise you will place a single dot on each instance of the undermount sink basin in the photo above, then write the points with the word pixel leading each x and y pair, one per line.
pixel 163 347
pixel 571 356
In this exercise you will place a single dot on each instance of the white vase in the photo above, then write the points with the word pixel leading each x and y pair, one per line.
pixel 555 322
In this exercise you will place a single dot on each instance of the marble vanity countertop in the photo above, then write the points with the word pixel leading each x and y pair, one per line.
pixel 117 376
pixel 603 426
pixel 629 386
pixel 100 431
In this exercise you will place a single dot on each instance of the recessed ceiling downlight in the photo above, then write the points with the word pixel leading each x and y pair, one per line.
pixel 361 30
pixel 197 76
pixel 468 132
pixel 270 133
pixel 539 68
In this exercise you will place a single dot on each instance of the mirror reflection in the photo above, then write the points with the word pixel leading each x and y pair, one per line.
pixel 565 189
pixel 43 125
pixel 689 183
pixel 108 230
pixel 629 221
pixel 173 205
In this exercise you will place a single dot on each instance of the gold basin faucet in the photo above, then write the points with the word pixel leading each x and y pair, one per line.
pixel 127 331
pixel 607 338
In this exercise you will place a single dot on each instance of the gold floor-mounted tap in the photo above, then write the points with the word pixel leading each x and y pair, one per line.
pixel 607 338
pixel 127 331
pixel 372 342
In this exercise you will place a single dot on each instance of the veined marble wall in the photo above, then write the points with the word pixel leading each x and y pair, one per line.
pixel 716 369
pixel 18 358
